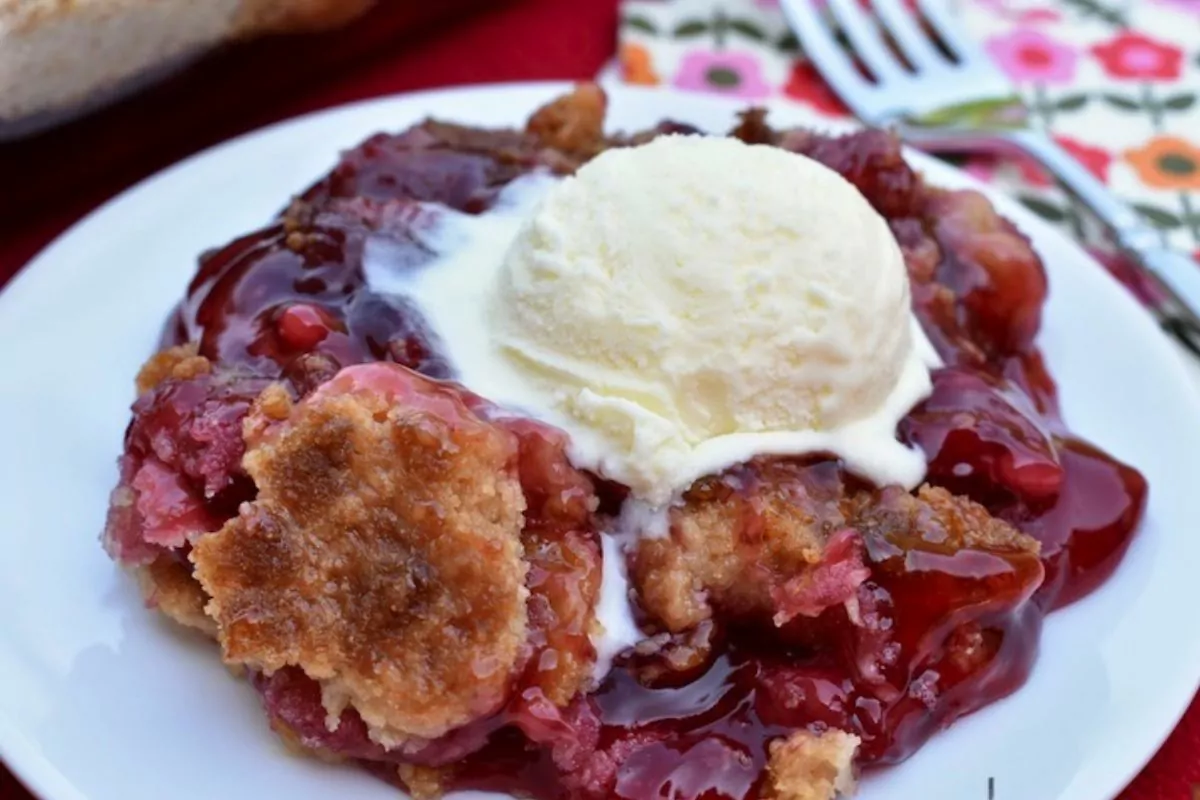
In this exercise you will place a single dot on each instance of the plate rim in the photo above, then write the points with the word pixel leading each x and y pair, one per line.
pixel 20 752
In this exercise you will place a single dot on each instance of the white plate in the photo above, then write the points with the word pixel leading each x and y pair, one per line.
pixel 100 699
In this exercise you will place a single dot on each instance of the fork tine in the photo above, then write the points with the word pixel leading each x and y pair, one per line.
pixel 906 32
pixel 826 54
pixel 864 36
pixel 948 30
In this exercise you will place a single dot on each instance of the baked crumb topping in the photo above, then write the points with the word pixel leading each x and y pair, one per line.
pixel 180 363
pixel 809 766
pixel 574 123
pixel 423 783
pixel 740 540
pixel 382 555
pixel 168 586
pixel 937 519
pixel 780 539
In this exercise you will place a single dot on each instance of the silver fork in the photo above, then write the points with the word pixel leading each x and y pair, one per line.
pixel 953 99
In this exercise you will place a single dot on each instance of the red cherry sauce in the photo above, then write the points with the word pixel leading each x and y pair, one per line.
pixel 940 634
pixel 292 299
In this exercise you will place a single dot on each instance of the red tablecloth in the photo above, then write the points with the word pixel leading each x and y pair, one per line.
pixel 47 183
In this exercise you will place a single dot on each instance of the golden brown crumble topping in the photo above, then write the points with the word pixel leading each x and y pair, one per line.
pixel 168 585
pixel 676 652
pixel 573 123
pixel 809 766
pixel 270 408
pixel 939 518
pixel 382 556
pixel 423 783
pixel 766 540
pixel 180 363
pixel 728 543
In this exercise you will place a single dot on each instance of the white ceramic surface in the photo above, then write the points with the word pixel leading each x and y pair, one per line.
pixel 101 700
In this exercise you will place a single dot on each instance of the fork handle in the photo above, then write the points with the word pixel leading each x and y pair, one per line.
pixel 1176 274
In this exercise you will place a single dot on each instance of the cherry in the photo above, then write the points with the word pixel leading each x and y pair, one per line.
pixel 983 438
pixel 303 326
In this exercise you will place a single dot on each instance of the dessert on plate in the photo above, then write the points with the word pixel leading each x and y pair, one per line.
pixel 578 465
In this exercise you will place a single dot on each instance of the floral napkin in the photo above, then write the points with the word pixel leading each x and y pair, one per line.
pixel 1115 82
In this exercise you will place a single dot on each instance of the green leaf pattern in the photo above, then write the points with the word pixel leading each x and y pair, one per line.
pixel 1160 218
pixel 639 22
pixel 1043 208
pixel 691 28
pixel 1071 102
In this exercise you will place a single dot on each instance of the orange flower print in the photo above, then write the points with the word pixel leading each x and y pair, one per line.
pixel 637 66
pixel 1167 162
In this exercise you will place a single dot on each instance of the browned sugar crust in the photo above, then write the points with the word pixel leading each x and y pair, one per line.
pixel 382 556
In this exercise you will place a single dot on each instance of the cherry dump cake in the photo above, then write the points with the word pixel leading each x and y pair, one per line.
pixel 441 584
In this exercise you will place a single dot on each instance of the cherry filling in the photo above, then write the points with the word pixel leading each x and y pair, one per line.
pixel 984 440
pixel 930 633
pixel 181 471
pixel 292 299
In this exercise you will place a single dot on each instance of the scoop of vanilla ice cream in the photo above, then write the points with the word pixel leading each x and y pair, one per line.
pixel 692 302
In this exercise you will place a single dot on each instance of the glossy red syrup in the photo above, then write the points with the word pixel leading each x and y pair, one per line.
pixel 292 301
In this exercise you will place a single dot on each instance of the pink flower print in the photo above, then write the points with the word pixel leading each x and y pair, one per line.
pixel 996 6
pixel 735 73
pixel 1096 159
pixel 1133 55
pixel 1033 16
pixel 1032 172
pixel 806 85
pixel 1029 55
